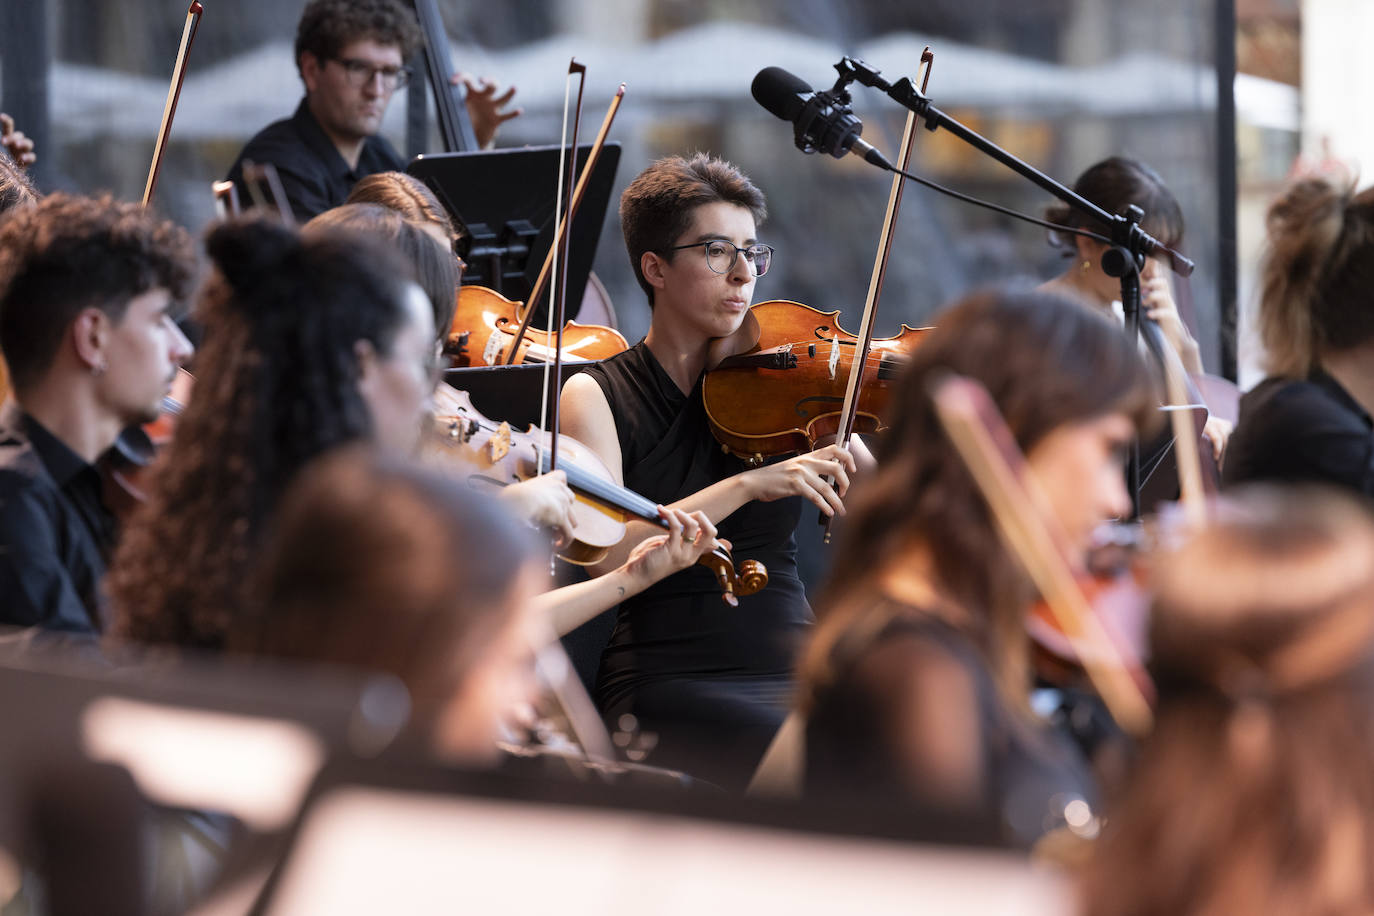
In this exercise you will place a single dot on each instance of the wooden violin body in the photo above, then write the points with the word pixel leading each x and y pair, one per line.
pixel 786 395
pixel 484 329
pixel 495 455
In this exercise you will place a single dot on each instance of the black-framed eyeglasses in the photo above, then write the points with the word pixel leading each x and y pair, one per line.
pixel 721 255
pixel 360 73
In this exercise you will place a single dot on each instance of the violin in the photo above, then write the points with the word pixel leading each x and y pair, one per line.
pixel 786 394
pixel 484 329
pixel 497 455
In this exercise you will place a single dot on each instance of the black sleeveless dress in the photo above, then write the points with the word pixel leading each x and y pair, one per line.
pixel 711 682
pixel 858 733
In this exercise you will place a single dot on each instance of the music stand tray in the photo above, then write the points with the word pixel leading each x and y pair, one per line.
pixel 504 198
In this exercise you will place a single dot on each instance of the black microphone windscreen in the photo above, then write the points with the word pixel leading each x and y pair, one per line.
pixel 780 92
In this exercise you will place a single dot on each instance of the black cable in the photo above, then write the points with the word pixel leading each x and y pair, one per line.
pixel 998 208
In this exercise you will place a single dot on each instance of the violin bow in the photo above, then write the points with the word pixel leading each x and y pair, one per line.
pixel 169 110
pixel 981 437
pixel 559 252
pixel 542 280
pixel 1191 493
pixel 864 339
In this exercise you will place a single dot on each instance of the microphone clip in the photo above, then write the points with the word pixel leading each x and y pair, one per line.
pixel 826 124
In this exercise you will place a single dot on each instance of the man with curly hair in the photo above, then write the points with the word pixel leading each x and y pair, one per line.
pixel 87 293
pixel 351 56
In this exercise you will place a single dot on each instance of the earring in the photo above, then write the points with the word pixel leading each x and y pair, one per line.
pixel 98 369
pixel 1087 265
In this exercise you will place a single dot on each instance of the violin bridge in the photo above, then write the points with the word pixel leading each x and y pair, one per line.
pixel 492 350
pixel 834 357
pixel 498 445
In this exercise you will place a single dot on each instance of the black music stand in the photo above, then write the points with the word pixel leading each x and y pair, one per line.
pixel 504 198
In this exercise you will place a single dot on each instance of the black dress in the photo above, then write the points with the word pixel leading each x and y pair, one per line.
pixel 1302 431
pixel 711 682
pixel 860 728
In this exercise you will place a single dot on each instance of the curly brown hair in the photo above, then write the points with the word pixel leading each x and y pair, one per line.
pixel 1046 362
pixel 276 386
pixel 328 26
pixel 657 206
pixel 70 253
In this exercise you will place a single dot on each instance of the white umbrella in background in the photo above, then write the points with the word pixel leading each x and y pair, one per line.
pixel 707 64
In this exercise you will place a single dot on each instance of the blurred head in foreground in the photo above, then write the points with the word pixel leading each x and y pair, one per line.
pixel 1255 792
pixel 379 564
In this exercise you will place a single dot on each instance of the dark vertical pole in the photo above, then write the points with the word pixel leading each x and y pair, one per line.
pixel 417 115
pixel 1226 183
pixel 24 45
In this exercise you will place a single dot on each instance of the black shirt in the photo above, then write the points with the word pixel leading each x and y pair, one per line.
pixel 1293 430
pixel 313 174
pixel 55 532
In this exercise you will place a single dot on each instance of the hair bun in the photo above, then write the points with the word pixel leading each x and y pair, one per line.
pixel 248 250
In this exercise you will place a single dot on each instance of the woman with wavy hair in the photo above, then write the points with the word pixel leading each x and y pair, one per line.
pixel 1309 420
pixel 311 343
pixel 917 681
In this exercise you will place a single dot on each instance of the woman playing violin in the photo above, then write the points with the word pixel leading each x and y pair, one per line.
pixel 1115 184
pixel 545 501
pixel 711 682
pixel 917 682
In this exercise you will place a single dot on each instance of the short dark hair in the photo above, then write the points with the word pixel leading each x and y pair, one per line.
pixel 70 253
pixel 328 26
pixel 657 206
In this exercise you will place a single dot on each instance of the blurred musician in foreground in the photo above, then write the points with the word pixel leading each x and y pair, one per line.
pixel 713 682
pixel 917 681
pixel 421 578
pixel 1254 792
pixel 351 56
pixel 1310 419
pixel 311 344
pixel 1115 184
pixel 88 289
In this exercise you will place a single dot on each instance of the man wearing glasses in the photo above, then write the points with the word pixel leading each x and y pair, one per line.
pixel 351 56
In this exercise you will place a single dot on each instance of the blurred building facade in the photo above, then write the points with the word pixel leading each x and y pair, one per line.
pixel 1061 83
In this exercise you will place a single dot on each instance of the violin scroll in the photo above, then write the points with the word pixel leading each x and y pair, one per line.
pixel 751 576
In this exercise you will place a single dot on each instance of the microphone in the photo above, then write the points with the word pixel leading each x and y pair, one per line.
pixel 821 121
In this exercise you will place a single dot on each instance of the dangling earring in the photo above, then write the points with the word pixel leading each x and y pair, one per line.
pixel 1087 265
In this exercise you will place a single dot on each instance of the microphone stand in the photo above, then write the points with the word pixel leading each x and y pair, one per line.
pixel 1130 244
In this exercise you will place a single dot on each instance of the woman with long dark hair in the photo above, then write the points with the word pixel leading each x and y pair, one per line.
pixel 1114 184
pixel 311 343
pixel 917 682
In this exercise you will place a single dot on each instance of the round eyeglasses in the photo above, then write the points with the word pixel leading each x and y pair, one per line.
pixel 721 255
pixel 360 73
